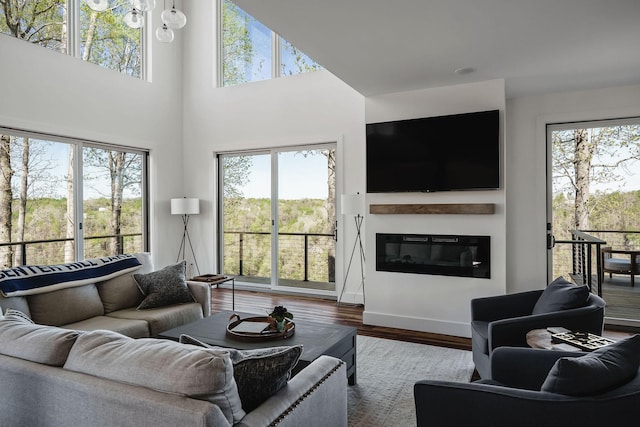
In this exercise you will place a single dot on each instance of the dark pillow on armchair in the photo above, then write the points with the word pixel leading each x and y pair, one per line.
pixel 561 295
pixel 603 369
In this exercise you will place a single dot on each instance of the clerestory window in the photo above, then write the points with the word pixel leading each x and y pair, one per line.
pixel 249 51
pixel 71 27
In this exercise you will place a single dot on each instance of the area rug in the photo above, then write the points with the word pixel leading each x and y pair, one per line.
pixel 386 373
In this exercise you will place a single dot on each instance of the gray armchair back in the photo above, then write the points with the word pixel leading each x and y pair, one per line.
pixel 504 320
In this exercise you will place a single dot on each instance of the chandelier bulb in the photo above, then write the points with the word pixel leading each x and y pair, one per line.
pixel 164 34
pixel 173 18
pixel 97 5
pixel 134 19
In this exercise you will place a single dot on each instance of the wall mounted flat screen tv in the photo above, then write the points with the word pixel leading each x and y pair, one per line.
pixel 445 153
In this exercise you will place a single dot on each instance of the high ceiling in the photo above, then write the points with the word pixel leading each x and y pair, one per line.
pixel 537 46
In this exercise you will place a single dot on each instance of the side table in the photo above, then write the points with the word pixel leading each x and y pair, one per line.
pixel 541 338
pixel 217 279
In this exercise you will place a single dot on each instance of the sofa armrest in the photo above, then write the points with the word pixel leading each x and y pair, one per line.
pixel 316 397
pixel 201 291
pixel 498 307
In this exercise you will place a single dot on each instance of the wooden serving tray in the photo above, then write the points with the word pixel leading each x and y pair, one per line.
pixel 268 334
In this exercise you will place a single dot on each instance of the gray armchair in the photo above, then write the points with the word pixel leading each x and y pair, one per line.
pixel 504 320
pixel 513 397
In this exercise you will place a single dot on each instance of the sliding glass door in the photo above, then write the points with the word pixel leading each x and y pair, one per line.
pixel 277 218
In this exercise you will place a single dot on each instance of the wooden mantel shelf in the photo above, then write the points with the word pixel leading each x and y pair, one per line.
pixel 459 208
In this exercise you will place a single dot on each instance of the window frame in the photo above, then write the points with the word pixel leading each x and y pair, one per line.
pixel 276 48
pixel 78 145
pixel 73 43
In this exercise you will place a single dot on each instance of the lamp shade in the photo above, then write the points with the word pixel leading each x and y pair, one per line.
pixel 185 206
pixel 352 204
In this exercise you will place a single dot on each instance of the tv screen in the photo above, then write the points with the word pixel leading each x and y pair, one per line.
pixel 456 152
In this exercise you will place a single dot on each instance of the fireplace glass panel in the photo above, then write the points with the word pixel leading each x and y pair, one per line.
pixel 446 255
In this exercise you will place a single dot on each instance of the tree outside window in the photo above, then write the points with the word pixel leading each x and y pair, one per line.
pixel 104 39
pixel 248 51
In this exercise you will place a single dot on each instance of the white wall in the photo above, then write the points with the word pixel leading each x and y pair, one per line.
pixel 527 118
pixel 306 109
pixel 430 302
pixel 46 91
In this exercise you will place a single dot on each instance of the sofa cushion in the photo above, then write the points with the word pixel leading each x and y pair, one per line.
pixel 161 365
pixel 162 318
pixel 603 369
pixel 122 291
pixel 129 327
pixel 561 295
pixel 164 287
pixel 65 306
pixel 259 373
pixel 21 338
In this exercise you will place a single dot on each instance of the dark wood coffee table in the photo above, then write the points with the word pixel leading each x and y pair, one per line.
pixel 317 339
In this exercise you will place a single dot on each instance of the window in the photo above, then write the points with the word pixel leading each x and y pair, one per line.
pixel 63 200
pixel 249 50
pixel 101 38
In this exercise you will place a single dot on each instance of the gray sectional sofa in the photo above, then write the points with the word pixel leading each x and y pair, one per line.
pixel 111 304
pixel 51 376
pixel 78 351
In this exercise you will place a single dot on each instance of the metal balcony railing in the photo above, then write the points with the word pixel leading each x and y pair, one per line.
pixel 303 256
pixel 90 252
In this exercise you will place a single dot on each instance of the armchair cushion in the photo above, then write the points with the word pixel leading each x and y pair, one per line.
pixel 561 295
pixel 605 368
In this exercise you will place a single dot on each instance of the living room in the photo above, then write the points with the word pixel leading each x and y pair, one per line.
pixel 184 120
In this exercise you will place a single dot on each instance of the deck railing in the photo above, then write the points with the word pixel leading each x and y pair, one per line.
pixel 585 249
pixel 121 247
pixel 303 256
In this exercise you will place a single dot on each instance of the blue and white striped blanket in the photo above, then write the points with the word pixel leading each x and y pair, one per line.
pixel 34 279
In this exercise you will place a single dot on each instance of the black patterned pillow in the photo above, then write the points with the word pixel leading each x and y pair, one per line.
pixel 259 373
pixel 164 287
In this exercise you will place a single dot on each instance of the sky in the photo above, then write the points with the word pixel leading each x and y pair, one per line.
pixel 299 177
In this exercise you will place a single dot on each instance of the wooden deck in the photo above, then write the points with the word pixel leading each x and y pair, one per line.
pixel 623 301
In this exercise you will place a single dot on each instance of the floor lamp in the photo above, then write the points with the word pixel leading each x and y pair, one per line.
pixel 353 204
pixel 186 208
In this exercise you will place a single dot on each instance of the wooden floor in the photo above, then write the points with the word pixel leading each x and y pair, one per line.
pixel 325 310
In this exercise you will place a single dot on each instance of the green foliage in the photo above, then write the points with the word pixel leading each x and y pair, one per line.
pixel 247 238
pixel 105 40
pixel 35 21
pixel 238 50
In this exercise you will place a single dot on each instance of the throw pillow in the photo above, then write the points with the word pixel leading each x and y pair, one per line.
pixel 603 369
pixel 259 373
pixel 561 295
pixel 164 287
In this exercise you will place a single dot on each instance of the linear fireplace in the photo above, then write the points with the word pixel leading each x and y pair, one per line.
pixel 445 255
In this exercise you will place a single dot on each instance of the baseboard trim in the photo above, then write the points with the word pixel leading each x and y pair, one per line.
pixel 458 329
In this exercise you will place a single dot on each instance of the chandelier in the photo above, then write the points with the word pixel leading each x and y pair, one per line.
pixel 172 19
